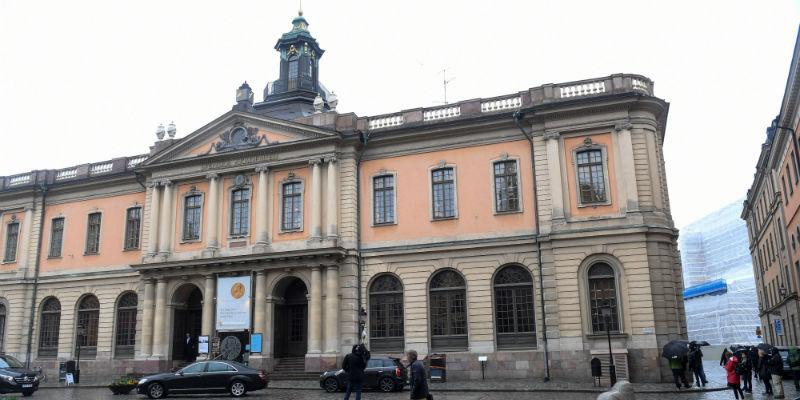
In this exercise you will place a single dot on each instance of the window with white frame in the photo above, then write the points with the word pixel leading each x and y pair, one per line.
pixel 56 237
pixel 506 186
pixel 133 224
pixel 591 177
pixel 93 233
pixel 443 188
pixel 292 207
pixel 192 209
pixel 240 212
pixel 383 199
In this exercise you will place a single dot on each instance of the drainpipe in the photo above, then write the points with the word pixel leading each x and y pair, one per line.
pixel 43 188
pixel 517 116
pixel 364 138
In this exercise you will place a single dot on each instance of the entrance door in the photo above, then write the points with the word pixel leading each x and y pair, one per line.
pixel 291 322
pixel 188 317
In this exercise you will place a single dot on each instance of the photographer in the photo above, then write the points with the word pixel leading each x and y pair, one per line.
pixel 354 364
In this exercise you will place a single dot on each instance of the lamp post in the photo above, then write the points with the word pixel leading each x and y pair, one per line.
pixel 362 321
pixel 605 309
pixel 78 363
pixel 782 292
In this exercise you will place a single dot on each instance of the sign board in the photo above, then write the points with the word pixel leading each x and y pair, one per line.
pixel 758 332
pixel 70 379
pixel 233 303
pixel 202 345
pixel 215 345
pixel 482 358
pixel 255 343
pixel 778 327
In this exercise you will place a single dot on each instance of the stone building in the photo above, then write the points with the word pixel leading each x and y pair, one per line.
pixel 438 229
pixel 772 213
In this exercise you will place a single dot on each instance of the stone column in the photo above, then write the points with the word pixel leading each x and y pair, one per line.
pixel 315 312
pixel 207 327
pixel 554 168
pixel 316 201
pixel 627 167
pixel 331 206
pixel 654 165
pixel 212 238
pixel 147 318
pixel 155 211
pixel 262 199
pixel 260 302
pixel 25 240
pixel 160 324
pixel 166 220
pixel 332 309
pixel 266 339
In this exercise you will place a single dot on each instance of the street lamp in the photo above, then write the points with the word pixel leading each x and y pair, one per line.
pixel 782 292
pixel 78 363
pixel 606 310
pixel 362 321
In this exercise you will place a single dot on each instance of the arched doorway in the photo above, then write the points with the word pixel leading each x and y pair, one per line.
pixel 187 316
pixel 291 319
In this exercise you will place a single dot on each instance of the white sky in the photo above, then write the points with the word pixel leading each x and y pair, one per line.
pixel 86 81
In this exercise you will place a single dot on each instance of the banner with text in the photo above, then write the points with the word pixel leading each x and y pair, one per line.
pixel 233 303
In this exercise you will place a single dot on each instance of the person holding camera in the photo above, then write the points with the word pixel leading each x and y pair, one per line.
pixel 354 364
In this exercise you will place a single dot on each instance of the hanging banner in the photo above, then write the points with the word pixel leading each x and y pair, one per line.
pixel 233 303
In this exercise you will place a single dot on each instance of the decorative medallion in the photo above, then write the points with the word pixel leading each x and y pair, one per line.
pixel 237 138
pixel 230 348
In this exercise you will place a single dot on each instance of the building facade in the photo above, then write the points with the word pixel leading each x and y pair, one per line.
pixel 444 230
pixel 720 296
pixel 772 213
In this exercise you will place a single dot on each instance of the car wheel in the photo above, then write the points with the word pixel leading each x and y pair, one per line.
pixel 156 391
pixel 238 388
pixel 331 386
pixel 386 384
pixel 27 394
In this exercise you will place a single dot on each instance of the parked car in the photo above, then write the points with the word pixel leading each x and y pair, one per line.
pixel 386 374
pixel 216 376
pixel 784 351
pixel 14 378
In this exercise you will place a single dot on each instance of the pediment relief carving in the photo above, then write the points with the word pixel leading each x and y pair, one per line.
pixel 238 137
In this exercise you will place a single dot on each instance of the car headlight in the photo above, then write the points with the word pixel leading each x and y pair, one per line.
pixel 143 380
pixel 7 378
pixel 36 378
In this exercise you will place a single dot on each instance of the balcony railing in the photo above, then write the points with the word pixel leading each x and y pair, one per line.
pixel 101 168
pixel 441 113
pixel 67 173
pixel 501 104
pixel 20 179
pixel 386 122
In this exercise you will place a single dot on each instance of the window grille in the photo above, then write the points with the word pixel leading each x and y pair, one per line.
pixel 386 323
pixel 514 308
pixel 126 326
pixel 48 328
pixel 448 313
pixel 602 289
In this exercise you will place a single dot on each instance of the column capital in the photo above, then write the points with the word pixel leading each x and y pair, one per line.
pixel 161 279
pixel 552 134
pixel 316 267
pixel 212 175
pixel 153 184
pixel 623 126
pixel 148 281
pixel 166 182
pixel 330 159
pixel 261 273
pixel 209 276
pixel 262 168
pixel 331 267
pixel 314 161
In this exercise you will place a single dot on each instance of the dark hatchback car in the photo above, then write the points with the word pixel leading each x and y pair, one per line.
pixel 215 376
pixel 14 378
pixel 385 374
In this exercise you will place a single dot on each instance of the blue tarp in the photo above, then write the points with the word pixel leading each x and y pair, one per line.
pixel 718 286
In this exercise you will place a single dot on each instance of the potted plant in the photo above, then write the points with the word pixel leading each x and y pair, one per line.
pixel 123 385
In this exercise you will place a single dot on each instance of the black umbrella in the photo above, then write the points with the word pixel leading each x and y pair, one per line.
pixel 764 346
pixel 675 349
pixel 701 343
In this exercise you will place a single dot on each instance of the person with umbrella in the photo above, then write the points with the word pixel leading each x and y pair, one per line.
pixel 676 352
pixel 763 370
pixel 696 363
pixel 775 368
pixel 746 369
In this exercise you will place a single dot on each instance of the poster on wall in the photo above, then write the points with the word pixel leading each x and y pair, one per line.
pixel 202 345
pixel 233 303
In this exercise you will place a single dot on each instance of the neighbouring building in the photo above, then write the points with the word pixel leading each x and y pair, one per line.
pixel 720 296
pixel 772 213
pixel 294 222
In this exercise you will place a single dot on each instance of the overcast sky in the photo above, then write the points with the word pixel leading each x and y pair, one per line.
pixel 86 81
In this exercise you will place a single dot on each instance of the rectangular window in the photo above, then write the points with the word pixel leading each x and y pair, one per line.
pixel 240 212
pixel 591 180
pixel 56 237
pixel 293 71
pixel 133 223
pixel 791 187
pixel 444 202
pixel 292 206
pixel 785 193
pixel 191 217
pixel 93 233
pixel 506 190
pixel 794 166
pixel 12 237
pixel 383 199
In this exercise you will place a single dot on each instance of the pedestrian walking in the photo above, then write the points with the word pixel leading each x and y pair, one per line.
pixel 733 376
pixel 696 364
pixel 775 368
pixel 746 372
pixel 417 380
pixel 763 372
pixel 723 361
pixel 678 371
pixel 794 364
pixel 354 364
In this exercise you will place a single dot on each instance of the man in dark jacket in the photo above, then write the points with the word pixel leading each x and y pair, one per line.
pixel 354 364
pixel 418 379
pixel 696 364
pixel 747 368
pixel 775 368
pixel 188 348
pixel 763 371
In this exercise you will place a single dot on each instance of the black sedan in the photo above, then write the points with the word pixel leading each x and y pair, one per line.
pixel 386 374
pixel 216 376
pixel 14 378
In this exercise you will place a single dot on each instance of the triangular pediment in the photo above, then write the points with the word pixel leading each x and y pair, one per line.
pixel 237 130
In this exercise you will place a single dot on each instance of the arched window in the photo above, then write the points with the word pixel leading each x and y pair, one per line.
pixel 386 314
pixel 126 326
pixel 448 314
pixel 514 309
pixel 602 290
pixel 2 324
pixel 48 328
pixel 89 320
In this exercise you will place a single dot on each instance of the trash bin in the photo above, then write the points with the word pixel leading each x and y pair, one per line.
pixel 597 371
pixel 438 368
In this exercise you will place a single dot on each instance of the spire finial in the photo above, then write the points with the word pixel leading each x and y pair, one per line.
pixel 300 11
